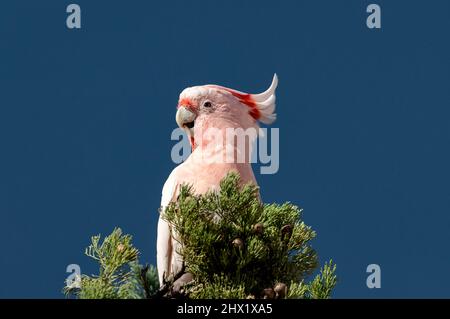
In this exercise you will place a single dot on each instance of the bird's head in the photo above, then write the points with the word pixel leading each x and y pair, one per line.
pixel 214 106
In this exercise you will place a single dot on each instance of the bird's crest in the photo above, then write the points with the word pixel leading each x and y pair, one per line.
pixel 262 105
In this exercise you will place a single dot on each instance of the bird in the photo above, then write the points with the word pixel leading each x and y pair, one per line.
pixel 207 114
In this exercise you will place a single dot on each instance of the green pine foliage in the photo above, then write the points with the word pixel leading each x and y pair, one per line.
pixel 237 247
pixel 233 245
pixel 120 274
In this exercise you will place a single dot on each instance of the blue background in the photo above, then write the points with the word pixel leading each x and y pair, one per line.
pixel 86 117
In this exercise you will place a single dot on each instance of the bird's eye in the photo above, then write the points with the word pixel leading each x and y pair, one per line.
pixel 207 104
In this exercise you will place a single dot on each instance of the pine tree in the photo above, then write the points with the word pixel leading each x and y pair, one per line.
pixel 120 274
pixel 233 246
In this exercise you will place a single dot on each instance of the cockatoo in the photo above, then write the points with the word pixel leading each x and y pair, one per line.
pixel 206 113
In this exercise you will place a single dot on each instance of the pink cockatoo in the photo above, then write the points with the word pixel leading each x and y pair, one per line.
pixel 206 113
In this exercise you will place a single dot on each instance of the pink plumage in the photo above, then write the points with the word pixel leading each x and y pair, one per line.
pixel 207 113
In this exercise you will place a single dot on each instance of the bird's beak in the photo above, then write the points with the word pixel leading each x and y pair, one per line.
pixel 186 119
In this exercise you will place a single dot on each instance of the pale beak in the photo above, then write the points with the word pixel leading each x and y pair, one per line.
pixel 186 119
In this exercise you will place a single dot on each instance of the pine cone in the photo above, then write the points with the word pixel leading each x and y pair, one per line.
pixel 258 228
pixel 286 232
pixel 268 293
pixel 238 243
pixel 280 290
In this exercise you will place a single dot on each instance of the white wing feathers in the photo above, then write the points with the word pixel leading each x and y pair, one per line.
pixel 164 249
